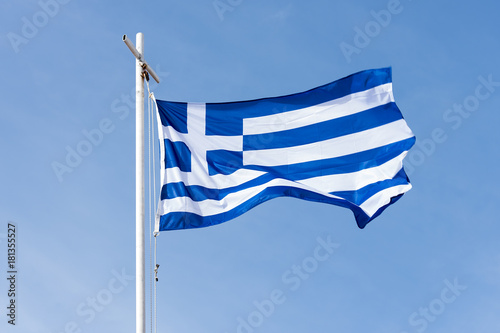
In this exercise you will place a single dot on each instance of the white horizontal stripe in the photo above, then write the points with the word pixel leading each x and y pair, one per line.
pixel 212 207
pixel 382 198
pixel 333 109
pixel 233 143
pixel 341 146
pixel 240 176
pixel 356 180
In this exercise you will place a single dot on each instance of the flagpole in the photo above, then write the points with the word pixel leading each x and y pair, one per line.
pixel 140 281
pixel 141 67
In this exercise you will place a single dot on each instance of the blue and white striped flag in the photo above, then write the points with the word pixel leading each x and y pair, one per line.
pixel 342 143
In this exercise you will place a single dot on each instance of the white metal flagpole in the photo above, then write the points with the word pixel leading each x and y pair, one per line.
pixel 140 282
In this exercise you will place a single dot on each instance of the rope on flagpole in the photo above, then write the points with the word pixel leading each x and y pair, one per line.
pixel 156 280
pixel 150 214
pixel 154 204
pixel 152 211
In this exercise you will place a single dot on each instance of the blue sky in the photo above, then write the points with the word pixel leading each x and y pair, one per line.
pixel 430 263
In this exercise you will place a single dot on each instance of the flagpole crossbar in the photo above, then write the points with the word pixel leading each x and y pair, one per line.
pixel 139 57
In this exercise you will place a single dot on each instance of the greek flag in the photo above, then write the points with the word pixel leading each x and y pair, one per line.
pixel 342 143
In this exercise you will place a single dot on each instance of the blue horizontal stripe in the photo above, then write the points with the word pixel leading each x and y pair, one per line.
pixel 200 193
pixel 325 130
pixel 227 118
pixel 185 220
pixel 361 195
pixel 345 164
